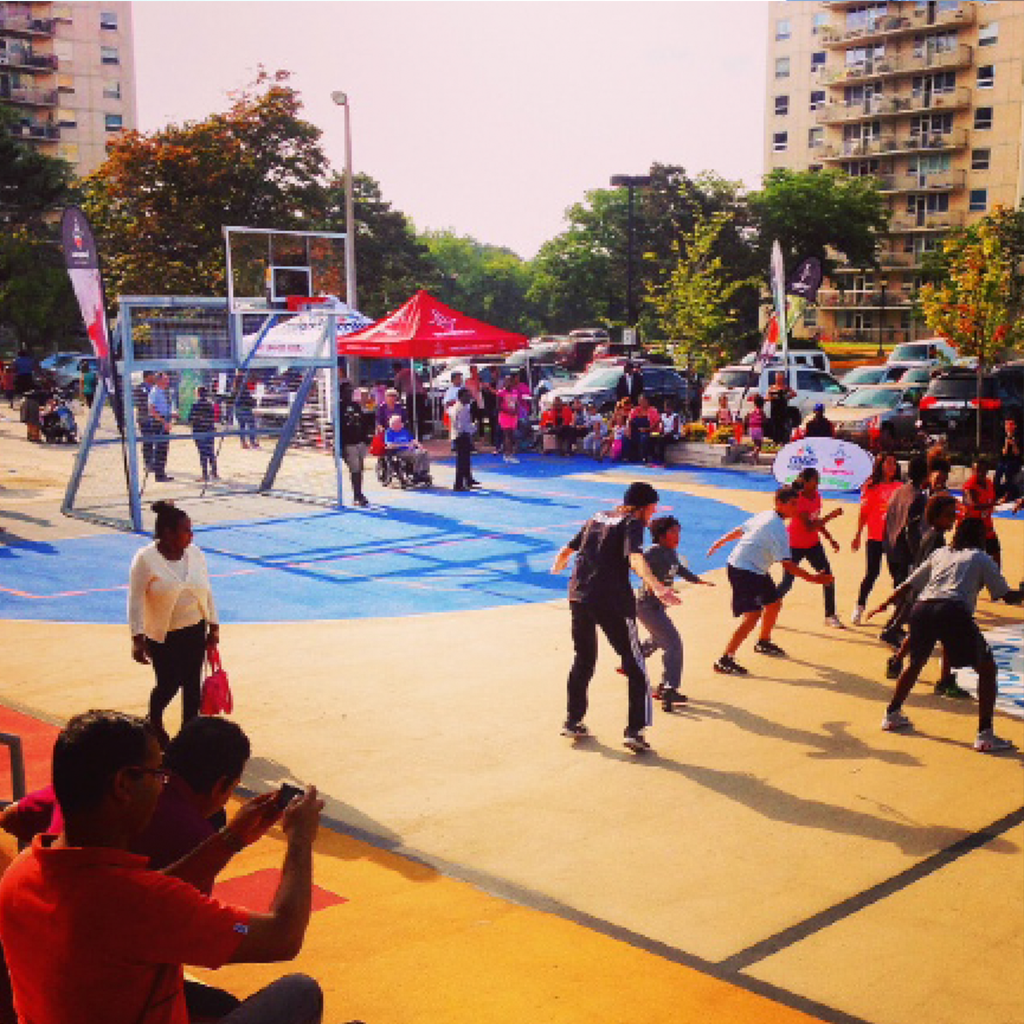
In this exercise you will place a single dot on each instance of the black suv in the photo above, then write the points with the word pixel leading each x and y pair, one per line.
pixel 598 386
pixel 950 406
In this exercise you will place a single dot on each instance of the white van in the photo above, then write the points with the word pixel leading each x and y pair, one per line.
pixel 740 383
pixel 814 358
pixel 926 352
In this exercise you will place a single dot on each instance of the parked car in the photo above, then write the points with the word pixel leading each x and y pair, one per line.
pixel 927 352
pixel 916 375
pixel 543 353
pixel 57 370
pixel 599 384
pixel 576 352
pixel 814 358
pixel 875 409
pixel 950 407
pixel 735 382
pixel 69 373
pixel 861 375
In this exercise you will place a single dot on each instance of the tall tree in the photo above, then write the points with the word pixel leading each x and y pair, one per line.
pixel 160 199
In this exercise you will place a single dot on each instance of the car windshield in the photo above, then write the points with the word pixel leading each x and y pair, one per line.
pixel 909 353
pixel 865 375
pixel 734 379
pixel 883 398
pixel 964 388
pixel 600 377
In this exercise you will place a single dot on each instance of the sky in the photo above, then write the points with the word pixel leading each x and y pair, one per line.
pixel 485 118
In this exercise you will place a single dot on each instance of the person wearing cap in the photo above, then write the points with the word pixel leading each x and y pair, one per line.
pixel 600 595
pixel 817 425
pixel 390 407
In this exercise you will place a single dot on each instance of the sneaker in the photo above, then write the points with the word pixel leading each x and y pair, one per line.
pixel 767 647
pixel 658 692
pixel 947 687
pixel 727 666
pixel 635 741
pixel 858 615
pixel 835 622
pixel 577 730
pixel 670 698
pixel 896 720
pixel 893 667
pixel 989 743
pixel 893 637
pixel 361 501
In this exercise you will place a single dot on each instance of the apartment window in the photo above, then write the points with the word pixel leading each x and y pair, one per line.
pixel 931 124
pixel 980 159
pixel 61 12
pixel 820 22
pixel 937 42
pixel 68 151
pixel 112 90
pixel 781 105
pixel 940 82
pixel 938 203
pixel 978 199
pixel 109 55
pixel 864 54
pixel 865 16
pixel 782 29
pixel 986 76
pixel 66 83
pixel 815 137
pixel 112 122
pixel 780 141
pixel 782 67
pixel 66 118
pixel 64 51
pixel 817 60
pixel 988 35
pixel 810 316
pixel 982 118
pixel 108 20
pixel 817 99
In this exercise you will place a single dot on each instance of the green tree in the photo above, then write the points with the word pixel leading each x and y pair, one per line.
pixel 812 213
pixel 37 305
pixel 159 201
pixel 977 304
pixel 694 305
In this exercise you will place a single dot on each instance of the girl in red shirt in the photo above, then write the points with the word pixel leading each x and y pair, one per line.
pixel 874 501
pixel 979 500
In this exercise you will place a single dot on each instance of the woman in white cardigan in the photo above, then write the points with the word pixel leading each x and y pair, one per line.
pixel 171 614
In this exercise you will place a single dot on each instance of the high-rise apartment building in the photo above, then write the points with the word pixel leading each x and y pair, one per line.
pixel 68 71
pixel 925 95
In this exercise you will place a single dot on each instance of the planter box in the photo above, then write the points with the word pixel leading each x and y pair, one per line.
pixel 700 453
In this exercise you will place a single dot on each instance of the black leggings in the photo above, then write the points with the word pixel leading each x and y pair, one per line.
pixel 622 635
pixel 178 664
pixel 819 561
pixel 873 552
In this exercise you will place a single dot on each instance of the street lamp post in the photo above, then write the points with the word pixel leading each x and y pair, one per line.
pixel 882 284
pixel 631 182
pixel 341 99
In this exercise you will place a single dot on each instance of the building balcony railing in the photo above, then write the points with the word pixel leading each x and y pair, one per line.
pixel 837 298
pixel 904 64
pixel 892 145
pixel 23 24
pixel 26 60
pixel 874 335
pixel 892 106
pixel 835 36
pixel 913 181
pixel 35 131
pixel 905 223
pixel 887 260
pixel 29 96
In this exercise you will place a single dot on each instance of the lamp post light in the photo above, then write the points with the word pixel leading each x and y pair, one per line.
pixel 631 182
pixel 882 285
pixel 341 99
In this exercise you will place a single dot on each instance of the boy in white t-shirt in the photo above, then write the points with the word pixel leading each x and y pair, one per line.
pixel 763 541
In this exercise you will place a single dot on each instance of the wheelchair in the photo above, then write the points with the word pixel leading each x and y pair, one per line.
pixel 392 468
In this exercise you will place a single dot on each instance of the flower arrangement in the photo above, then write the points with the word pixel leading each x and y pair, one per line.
pixel 722 435
pixel 695 432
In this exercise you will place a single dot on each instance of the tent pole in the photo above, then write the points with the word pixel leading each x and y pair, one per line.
pixel 412 392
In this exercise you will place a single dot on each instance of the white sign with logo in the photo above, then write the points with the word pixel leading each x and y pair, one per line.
pixel 841 466
pixel 1007 643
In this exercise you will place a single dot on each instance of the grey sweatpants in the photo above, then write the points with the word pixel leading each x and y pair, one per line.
pixel 664 635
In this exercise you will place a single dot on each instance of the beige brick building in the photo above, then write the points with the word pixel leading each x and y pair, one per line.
pixel 68 70
pixel 927 96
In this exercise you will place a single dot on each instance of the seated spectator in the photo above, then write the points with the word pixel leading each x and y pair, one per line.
pixel 34 813
pixel 818 425
pixel 615 445
pixel 398 437
pixel 642 420
pixel 112 941
pixel 388 410
pixel 597 431
pixel 557 421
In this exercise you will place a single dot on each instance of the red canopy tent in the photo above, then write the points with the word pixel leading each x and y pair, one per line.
pixel 427 329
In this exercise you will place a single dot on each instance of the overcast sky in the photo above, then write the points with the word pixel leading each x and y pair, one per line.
pixel 487 118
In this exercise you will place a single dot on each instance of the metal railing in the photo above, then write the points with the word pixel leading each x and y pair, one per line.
pixel 10 22
pixel 932 221
pixel 837 298
pixel 892 106
pixel 35 130
pixel 883 67
pixel 891 144
pixel 897 25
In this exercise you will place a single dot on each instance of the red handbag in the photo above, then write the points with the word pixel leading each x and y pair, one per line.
pixel 377 445
pixel 216 696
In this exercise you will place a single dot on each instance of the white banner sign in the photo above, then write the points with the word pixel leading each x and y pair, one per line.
pixel 841 466
pixel 1007 643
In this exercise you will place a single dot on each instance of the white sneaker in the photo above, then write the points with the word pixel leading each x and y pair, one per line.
pixel 858 615
pixel 834 621
pixel 989 743
pixel 635 741
pixel 895 720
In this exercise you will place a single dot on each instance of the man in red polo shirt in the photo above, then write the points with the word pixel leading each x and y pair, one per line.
pixel 92 934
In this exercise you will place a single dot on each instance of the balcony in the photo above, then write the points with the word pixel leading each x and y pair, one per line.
pixel 836 298
pixel 913 181
pixel 35 131
pixel 874 335
pixel 908 223
pixel 29 96
pixel 24 25
pixel 894 26
pixel 892 106
pixel 23 59
pixel 903 64
pixel 893 145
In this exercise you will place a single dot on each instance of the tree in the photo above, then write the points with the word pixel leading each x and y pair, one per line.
pixel 693 304
pixel 159 201
pixel 977 303
pixel 36 302
pixel 813 212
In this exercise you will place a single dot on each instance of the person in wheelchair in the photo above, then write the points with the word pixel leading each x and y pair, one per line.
pixel 403 448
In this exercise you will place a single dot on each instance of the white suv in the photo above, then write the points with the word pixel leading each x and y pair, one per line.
pixel 740 383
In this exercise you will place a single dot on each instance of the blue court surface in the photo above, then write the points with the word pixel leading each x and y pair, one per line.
pixel 418 552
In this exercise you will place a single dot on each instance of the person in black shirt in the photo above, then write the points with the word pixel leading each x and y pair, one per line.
pixel 201 418
pixel 354 436
pixel 779 395
pixel 903 520
pixel 818 425
pixel 606 548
